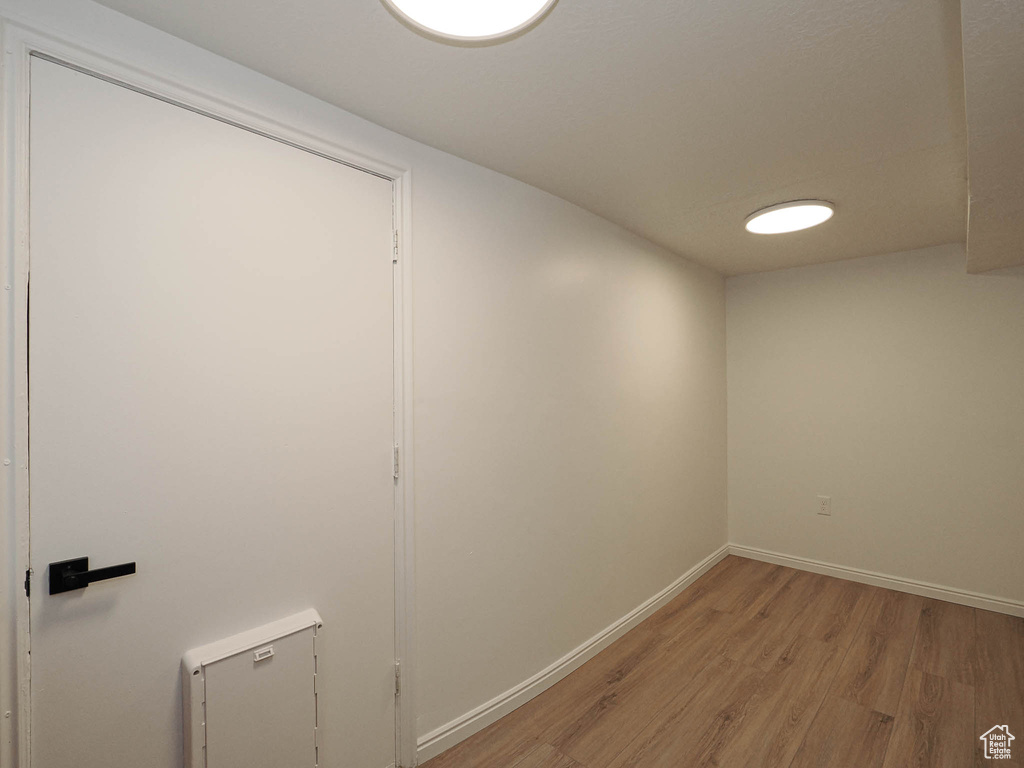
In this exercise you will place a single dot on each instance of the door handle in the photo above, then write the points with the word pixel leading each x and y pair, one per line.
pixel 75 574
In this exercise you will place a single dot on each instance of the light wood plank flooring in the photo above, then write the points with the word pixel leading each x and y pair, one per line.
pixel 760 665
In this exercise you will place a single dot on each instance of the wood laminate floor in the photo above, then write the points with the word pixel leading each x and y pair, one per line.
pixel 760 665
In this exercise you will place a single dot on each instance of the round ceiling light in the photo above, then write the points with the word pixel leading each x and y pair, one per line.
pixel 471 20
pixel 789 217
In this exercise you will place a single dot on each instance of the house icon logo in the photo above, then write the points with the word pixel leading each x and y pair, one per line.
pixel 997 742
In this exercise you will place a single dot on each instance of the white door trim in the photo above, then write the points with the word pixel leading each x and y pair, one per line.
pixel 21 41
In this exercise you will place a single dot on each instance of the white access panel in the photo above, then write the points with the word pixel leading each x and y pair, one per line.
pixel 250 700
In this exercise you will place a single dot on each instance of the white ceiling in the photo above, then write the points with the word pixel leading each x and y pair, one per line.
pixel 994 70
pixel 674 118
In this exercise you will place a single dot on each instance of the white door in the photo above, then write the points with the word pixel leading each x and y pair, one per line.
pixel 211 397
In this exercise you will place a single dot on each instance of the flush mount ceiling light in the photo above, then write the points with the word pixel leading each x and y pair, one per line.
pixel 471 20
pixel 789 217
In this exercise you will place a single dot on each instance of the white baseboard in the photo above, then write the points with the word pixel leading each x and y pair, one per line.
pixel 450 734
pixel 963 597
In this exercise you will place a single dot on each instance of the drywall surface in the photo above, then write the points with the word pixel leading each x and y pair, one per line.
pixel 892 384
pixel 994 79
pixel 570 417
pixel 569 392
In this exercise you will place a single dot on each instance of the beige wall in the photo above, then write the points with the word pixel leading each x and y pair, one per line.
pixel 895 385
pixel 570 429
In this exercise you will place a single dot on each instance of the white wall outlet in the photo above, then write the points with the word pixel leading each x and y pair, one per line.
pixel 824 505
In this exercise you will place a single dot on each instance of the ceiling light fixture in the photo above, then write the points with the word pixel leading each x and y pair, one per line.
pixel 789 217
pixel 471 20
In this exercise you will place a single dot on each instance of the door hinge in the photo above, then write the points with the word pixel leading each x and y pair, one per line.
pixel 28 582
pixel 396 462
pixel 394 256
pixel 398 678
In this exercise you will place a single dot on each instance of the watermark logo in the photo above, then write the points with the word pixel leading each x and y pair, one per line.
pixel 997 742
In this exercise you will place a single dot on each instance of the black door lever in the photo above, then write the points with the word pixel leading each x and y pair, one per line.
pixel 75 574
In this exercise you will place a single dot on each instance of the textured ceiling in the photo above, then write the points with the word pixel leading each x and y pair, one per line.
pixel 672 118
pixel 994 70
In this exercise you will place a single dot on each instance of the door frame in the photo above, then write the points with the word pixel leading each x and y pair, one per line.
pixel 23 40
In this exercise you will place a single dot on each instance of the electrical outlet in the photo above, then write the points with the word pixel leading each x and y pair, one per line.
pixel 824 505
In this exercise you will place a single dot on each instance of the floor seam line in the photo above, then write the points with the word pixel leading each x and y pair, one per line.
pixel 903 686
pixel 831 683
